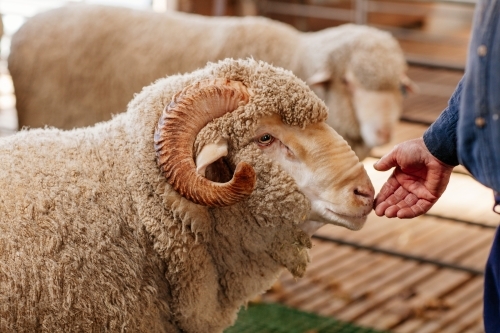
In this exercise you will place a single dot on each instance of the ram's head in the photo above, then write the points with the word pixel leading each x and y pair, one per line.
pixel 320 161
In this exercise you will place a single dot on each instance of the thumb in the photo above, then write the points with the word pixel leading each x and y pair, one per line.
pixel 386 162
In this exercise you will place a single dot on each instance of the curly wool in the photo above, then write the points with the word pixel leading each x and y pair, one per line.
pixel 93 239
pixel 373 55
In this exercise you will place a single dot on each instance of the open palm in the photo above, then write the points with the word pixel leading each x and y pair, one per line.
pixel 417 182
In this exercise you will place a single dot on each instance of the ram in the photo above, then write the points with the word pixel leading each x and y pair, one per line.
pixel 171 216
pixel 84 63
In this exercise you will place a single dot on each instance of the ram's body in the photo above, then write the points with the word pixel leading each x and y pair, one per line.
pixel 94 238
pixel 84 63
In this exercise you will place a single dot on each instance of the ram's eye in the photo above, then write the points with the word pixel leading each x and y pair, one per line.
pixel 266 139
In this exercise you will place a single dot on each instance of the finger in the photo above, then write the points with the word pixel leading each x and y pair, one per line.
pixel 390 206
pixel 406 213
pixel 388 189
pixel 409 200
pixel 386 162
pixel 421 207
pixel 399 200
pixel 390 195
pixel 380 208
pixel 404 206
pixel 392 211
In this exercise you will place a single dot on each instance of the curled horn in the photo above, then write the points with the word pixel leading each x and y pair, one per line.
pixel 188 112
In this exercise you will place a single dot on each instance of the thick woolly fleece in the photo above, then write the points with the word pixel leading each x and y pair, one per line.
pixel 84 63
pixel 93 239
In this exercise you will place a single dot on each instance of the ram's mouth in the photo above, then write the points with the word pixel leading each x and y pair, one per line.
pixel 326 212
pixel 346 219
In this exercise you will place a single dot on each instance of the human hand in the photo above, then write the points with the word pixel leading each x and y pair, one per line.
pixel 417 182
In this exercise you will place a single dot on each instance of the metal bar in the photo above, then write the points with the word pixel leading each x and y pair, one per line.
pixel 413 9
pixel 172 5
pixel 307 11
pixel 423 260
pixel 359 14
pixel 422 36
pixel 415 121
pixel 397 8
pixel 432 63
pixel 476 224
pixel 455 2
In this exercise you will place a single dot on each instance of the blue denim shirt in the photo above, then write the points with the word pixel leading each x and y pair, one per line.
pixel 468 132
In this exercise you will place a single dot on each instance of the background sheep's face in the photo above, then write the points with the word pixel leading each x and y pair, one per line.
pixel 378 113
pixel 377 110
pixel 324 167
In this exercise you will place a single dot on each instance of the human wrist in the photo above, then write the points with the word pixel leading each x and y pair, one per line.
pixel 441 149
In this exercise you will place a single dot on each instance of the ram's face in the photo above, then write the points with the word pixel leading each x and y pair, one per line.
pixel 324 167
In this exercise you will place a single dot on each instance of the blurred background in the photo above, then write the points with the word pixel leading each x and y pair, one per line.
pixel 431 32
pixel 420 275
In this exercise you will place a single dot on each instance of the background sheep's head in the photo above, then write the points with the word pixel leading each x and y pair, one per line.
pixel 262 117
pixel 367 76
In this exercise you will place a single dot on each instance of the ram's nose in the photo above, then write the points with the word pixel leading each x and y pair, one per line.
pixel 364 195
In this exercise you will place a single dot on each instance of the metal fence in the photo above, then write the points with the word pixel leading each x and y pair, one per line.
pixel 432 32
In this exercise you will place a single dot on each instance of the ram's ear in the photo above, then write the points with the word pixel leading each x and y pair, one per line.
pixel 209 154
pixel 320 77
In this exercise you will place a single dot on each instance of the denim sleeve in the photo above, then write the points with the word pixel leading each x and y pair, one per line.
pixel 441 137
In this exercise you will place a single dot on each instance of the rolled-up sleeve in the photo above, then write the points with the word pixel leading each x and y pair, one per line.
pixel 441 137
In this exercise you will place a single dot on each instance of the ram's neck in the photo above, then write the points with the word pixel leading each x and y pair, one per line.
pixel 240 258
pixel 219 258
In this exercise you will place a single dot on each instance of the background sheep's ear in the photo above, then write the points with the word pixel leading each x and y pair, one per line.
pixel 350 80
pixel 320 77
pixel 350 77
pixel 319 83
pixel 209 154
pixel 408 86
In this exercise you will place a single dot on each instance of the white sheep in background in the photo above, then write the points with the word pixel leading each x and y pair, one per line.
pixel 114 228
pixel 84 63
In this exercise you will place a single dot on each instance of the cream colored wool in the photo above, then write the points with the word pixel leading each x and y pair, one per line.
pixel 84 63
pixel 93 239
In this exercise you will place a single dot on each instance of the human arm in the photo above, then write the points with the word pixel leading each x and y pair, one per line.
pixel 423 167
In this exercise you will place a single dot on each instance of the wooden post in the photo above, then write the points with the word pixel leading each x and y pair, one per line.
pixel 159 5
pixel 172 4
pixel 219 7
pixel 361 12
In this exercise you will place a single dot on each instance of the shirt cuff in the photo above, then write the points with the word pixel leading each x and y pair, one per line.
pixel 441 137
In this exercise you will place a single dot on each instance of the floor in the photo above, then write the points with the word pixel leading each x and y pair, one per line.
pixel 422 275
